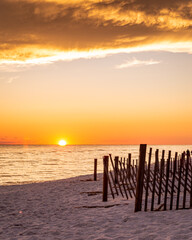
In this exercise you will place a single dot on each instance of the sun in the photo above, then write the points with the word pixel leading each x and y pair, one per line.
pixel 62 143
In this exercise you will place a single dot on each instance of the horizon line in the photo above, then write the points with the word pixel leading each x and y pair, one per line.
pixel 97 144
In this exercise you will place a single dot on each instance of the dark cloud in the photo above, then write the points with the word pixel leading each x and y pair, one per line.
pixel 150 7
pixel 14 140
pixel 90 24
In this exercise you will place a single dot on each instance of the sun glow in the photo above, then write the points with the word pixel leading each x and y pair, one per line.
pixel 62 143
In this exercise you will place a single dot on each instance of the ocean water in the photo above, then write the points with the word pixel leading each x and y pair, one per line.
pixel 28 164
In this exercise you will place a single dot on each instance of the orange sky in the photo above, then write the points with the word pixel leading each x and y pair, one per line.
pixel 95 72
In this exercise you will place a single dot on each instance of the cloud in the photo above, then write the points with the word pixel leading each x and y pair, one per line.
pixel 20 66
pixel 7 140
pixel 46 29
pixel 135 63
pixel 11 79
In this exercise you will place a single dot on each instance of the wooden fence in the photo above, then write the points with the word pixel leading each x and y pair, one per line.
pixel 119 176
pixel 158 181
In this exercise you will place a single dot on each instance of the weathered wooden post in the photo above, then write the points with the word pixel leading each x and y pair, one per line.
pixel 95 169
pixel 129 166
pixel 105 177
pixel 129 159
pixel 116 169
pixel 140 177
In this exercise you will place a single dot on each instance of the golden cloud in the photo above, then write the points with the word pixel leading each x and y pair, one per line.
pixel 49 28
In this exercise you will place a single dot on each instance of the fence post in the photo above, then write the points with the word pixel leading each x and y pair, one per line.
pixel 95 169
pixel 105 177
pixel 116 168
pixel 140 177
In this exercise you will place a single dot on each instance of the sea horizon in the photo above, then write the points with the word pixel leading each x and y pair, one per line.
pixel 98 144
pixel 22 164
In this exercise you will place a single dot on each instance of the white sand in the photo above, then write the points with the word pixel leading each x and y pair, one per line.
pixel 57 210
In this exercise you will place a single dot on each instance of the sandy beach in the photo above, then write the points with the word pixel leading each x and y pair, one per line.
pixel 73 209
pixel 95 86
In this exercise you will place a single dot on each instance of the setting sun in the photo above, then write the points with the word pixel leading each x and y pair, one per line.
pixel 62 143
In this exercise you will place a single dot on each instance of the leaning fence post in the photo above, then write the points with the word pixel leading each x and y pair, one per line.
pixel 140 177
pixel 95 169
pixel 105 177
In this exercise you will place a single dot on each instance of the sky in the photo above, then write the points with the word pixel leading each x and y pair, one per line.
pixel 95 72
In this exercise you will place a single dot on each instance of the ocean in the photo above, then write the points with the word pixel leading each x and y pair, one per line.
pixel 37 163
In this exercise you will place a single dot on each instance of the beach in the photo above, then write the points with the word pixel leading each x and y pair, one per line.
pixel 95 88
pixel 73 209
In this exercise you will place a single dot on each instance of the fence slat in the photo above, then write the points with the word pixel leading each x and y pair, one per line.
pixel 161 175
pixel 130 186
pixel 173 180
pixel 154 178
pixel 116 168
pixel 129 165
pixel 186 177
pixel 122 166
pixel 114 183
pixel 121 179
pixel 148 179
pixel 110 186
pixel 117 176
pixel 179 181
pixel 167 180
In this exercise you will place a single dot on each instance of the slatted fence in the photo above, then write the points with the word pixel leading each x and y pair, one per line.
pixel 157 180
pixel 119 177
